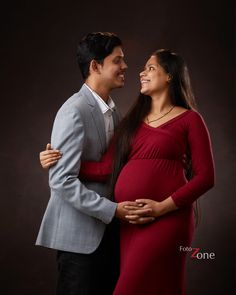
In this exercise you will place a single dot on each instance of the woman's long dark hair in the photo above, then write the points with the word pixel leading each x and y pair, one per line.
pixel 181 95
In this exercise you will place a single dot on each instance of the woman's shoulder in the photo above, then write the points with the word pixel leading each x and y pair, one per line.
pixel 192 113
pixel 188 116
pixel 182 112
pixel 179 109
pixel 193 118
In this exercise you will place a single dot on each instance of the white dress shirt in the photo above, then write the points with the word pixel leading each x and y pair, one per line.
pixel 106 109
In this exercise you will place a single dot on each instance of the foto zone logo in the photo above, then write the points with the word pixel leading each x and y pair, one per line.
pixel 197 253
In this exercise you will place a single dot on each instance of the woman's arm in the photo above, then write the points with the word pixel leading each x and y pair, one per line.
pixel 202 164
pixel 92 171
pixel 98 171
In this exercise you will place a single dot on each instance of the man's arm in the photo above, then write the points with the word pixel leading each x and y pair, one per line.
pixel 68 137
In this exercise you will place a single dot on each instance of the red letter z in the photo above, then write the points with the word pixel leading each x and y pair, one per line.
pixel 195 252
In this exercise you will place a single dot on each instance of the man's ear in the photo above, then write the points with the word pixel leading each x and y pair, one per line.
pixel 94 67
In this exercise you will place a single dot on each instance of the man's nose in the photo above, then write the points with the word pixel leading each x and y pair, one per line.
pixel 124 66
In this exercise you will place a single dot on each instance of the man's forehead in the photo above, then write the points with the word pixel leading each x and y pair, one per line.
pixel 117 51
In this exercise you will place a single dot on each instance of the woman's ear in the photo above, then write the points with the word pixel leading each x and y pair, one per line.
pixel 169 78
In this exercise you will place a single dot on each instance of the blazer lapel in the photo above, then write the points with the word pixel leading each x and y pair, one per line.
pixel 100 125
pixel 116 117
pixel 97 117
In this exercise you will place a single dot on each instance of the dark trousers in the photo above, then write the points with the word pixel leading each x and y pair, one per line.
pixel 90 274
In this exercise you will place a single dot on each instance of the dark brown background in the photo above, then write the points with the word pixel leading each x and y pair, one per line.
pixel 39 72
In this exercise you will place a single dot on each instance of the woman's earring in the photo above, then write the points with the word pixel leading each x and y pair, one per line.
pixel 169 78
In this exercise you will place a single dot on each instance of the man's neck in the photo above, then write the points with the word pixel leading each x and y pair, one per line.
pixel 102 91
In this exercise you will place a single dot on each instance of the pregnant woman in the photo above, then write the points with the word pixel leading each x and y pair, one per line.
pixel 160 135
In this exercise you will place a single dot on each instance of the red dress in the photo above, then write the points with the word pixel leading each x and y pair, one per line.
pixel 151 260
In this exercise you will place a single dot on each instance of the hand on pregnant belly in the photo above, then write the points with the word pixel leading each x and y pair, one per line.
pixel 155 208
pixel 126 209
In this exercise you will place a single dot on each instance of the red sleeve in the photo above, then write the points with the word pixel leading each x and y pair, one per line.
pixel 202 163
pixel 98 171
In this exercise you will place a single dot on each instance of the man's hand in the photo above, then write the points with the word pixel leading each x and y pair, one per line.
pixel 126 209
pixel 49 157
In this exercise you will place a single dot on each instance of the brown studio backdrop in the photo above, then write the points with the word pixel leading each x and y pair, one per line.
pixel 40 73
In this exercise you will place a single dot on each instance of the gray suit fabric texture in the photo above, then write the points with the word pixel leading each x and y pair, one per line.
pixel 77 213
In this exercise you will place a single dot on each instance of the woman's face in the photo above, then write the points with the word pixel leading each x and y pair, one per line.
pixel 153 78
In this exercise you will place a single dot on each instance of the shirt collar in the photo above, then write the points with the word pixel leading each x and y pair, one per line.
pixel 110 105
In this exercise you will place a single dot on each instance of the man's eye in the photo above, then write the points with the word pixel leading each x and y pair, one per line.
pixel 117 61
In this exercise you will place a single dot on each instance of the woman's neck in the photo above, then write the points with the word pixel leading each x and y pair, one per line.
pixel 160 103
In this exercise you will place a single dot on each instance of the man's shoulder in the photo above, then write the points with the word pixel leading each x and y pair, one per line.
pixel 79 101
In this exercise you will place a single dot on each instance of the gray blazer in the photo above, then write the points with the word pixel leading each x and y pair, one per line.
pixel 77 213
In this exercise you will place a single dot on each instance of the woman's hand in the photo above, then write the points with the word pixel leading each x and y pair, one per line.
pixel 156 209
pixel 49 157
pixel 122 212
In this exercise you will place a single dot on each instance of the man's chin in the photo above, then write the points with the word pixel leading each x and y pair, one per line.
pixel 119 85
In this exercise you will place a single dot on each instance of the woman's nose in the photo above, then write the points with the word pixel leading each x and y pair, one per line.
pixel 142 73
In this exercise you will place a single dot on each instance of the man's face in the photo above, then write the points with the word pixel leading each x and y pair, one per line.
pixel 112 71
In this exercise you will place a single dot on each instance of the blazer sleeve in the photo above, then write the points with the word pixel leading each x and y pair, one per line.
pixel 68 136
pixel 98 171
pixel 202 163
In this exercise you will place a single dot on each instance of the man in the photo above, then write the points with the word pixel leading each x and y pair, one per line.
pixel 77 213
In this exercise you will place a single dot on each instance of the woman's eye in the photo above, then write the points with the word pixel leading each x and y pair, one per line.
pixel 151 68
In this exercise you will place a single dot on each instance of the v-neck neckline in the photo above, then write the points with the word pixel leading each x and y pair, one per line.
pixel 167 122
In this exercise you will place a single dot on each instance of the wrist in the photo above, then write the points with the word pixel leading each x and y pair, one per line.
pixel 117 212
pixel 161 208
pixel 167 205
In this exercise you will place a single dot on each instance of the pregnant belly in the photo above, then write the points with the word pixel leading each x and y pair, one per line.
pixel 149 178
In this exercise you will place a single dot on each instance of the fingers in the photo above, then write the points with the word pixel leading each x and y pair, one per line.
pixel 130 203
pixel 142 220
pixel 137 206
pixel 133 205
pixel 48 160
pixel 140 212
pixel 49 157
pixel 143 201
pixel 132 217
pixel 44 159
pixel 50 153
pixel 48 164
pixel 48 146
